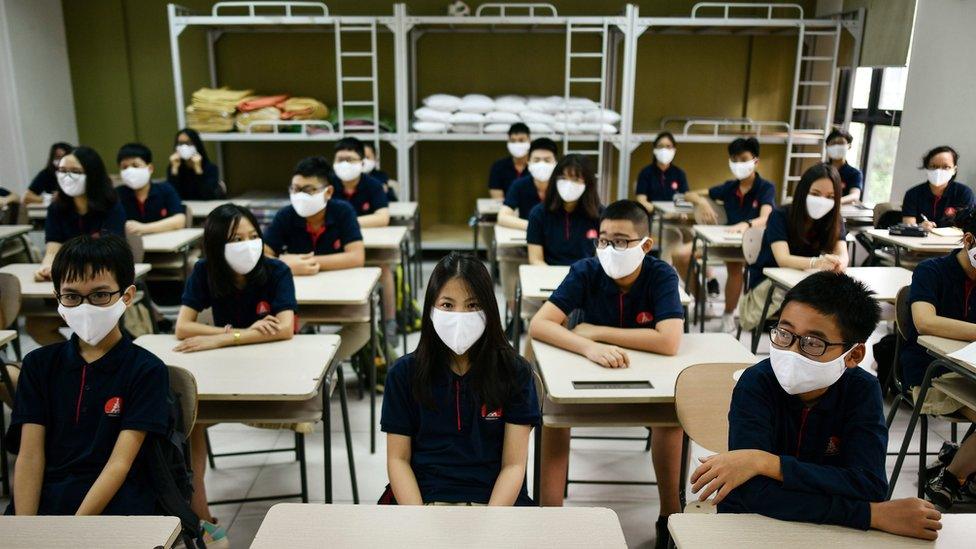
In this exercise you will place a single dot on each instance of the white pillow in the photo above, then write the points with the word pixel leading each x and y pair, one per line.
pixel 610 116
pixel 466 128
pixel 540 104
pixel 581 103
pixel 569 116
pixel 539 127
pixel 497 128
pixel 443 102
pixel 565 127
pixel 596 127
pixel 475 102
pixel 467 118
pixel 423 126
pixel 535 116
pixel 510 103
pixel 502 116
pixel 429 114
pixel 605 116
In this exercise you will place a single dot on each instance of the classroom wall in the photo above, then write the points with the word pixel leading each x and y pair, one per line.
pixel 940 97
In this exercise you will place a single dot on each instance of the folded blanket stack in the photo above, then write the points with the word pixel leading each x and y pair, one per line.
pixel 212 110
pixel 223 110
pixel 476 113
pixel 303 108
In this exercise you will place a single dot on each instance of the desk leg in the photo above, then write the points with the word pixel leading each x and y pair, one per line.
pixel 702 289
pixel 916 411
pixel 348 435
pixel 407 302
pixel 660 235
pixel 517 316
pixel 897 256
pixel 683 475
pixel 757 332
pixel 475 226
pixel 537 465
pixel 691 269
pixel 327 440
pixel 372 376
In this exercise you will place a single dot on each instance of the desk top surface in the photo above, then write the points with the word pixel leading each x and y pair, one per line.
pixel 170 241
pixel 345 287
pixel 97 531
pixel 884 281
pixel 31 289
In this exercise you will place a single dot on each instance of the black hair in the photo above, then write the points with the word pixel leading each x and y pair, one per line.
pixel 839 132
pixel 744 144
pixel 65 148
pixel 134 150
pixel 579 166
pixel 518 127
pixel 350 144
pixel 628 210
pixel 197 143
pixel 663 135
pixel 314 166
pixel 220 224
pixel 368 145
pixel 85 256
pixel 544 144
pixel 98 187
pixel 820 235
pixel 493 370
pixel 939 150
pixel 848 301
pixel 965 220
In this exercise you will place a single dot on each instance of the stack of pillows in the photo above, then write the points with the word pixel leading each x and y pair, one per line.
pixel 476 113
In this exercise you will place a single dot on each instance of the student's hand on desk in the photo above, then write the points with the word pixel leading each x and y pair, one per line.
pixel 927 225
pixel 301 264
pixel 135 227
pixel 833 263
pixel 738 228
pixel 722 473
pixel 268 325
pixel 42 274
pixel 707 214
pixel 912 517
pixel 198 343
pixel 608 356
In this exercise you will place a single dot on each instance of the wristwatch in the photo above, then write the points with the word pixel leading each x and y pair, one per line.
pixel 237 337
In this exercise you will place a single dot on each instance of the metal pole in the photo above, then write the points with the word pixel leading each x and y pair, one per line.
pixel 174 51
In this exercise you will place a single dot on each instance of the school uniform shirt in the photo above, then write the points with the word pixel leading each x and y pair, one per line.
pixel 384 178
pixel 191 186
pixel 739 207
pixel 942 282
pixel 83 408
pixel 63 223
pixel 940 210
pixel 652 298
pixel 290 233
pixel 44 182
pixel 163 201
pixel 245 306
pixel 522 196
pixel 661 186
pixel 832 455
pixel 777 230
pixel 366 198
pixel 503 172
pixel 565 237
pixel 851 178
pixel 456 447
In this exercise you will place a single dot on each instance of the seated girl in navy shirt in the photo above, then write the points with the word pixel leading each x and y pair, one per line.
pixel 190 171
pixel 936 202
pixel 807 234
pixel 660 181
pixel 253 301
pixel 458 412
pixel 563 227
pixel 45 183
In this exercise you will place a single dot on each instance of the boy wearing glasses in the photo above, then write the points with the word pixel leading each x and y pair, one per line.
pixel 807 437
pixel 628 300
pixel 84 407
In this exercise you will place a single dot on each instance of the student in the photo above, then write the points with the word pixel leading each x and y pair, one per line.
pixel 371 167
pixel 807 437
pixel 149 207
pixel 661 181
pixel 253 301
pixel 506 170
pixel 748 200
pixel 317 234
pixel 629 300
pixel 807 234
pixel 935 203
pixel 563 227
pixel 84 407
pixel 458 412
pixel 838 144
pixel 529 190
pixel 190 171
pixel 45 183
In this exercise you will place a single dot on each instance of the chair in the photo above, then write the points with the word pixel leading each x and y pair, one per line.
pixel 135 244
pixel 752 241
pixel 886 214
pixel 189 216
pixel 9 372
pixel 10 304
pixel 184 386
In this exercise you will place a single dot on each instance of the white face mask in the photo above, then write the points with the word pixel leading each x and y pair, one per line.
pixel 742 170
pixel 798 374
pixel 348 171
pixel 518 150
pixel 90 322
pixel 243 256
pixel 939 177
pixel 664 155
pixel 307 205
pixel 541 171
pixel 819 206
pixel 73 184
pixel 620 264
pixel 569 191
pixel 186 151
pixel 459 331
pixel 135 177
pixel 836 152
pixel 369 165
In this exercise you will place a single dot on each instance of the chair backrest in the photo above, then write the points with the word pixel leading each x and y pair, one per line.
pixel 903 312
pixel 540 388
pixel 10 299
pixel 135 244
pixel 886 214
pixel 23 215
pixel 702 395
pixel 8 214
pixel 182 383
pixel 9 373
pixel 719 211
pixel 189 216
pixel 752 243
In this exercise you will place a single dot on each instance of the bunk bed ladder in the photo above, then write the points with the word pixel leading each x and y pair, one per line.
pixel 584 80
pixel 353 87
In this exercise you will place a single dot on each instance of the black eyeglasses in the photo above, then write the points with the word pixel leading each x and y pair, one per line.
pixel 72 171
pixel 307 189
pixel 619 244
pixel 809 345
pixel 99 298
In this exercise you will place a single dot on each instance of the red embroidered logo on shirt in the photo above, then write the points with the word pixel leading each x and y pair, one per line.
pixel 645 318
pixel 163 212
pixel 674 185
pixel 492 415
pixel 833 446
pixel 755 203
pixel 591 234
pixel 950 211
pixel 336 245
pixel 365 206
pixel 263 308
pixel 113 406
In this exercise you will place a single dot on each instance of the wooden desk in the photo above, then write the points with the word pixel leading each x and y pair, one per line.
pixel 711 236
pixel 403 210
pixel 857 214
pixel 488 207
pixel 200 209
pixel 29 289
pixel 383 238
pixel 37 211
pixel 692 530
pixel 942 347
pixel 668 213
pixel 923 245
pixel 171 241
pixel 407 214
pixel 506 237
pixel 355 526
pixel 6 336
pixel 99 531
pixel 13 231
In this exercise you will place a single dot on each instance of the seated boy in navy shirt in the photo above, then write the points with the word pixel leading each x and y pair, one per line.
pixel 149 207
pixel 628 300
pixel 83 407
pixel 807 437
pixel 505 171
pixel 371 167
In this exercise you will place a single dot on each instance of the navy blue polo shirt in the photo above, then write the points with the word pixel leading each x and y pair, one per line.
pixel 777 230
pixel 739 207
pixel 63 222
pixel 851 178
pixel 832 455
pixel 522 196
pixel 83 408
pixel 366 198
pixel 191 186
pixel 661 186
pixel 248 305
pixel 565 237
pixel 456 447
pixel 942 282
pixel 652 298
pixel 503 173
pixel 4 192
pixel 940 210
pixel 163 201
pixel 384 178
pixel 44 182
pixel 290 233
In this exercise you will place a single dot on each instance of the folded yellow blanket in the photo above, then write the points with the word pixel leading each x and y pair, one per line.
pixel 303 108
